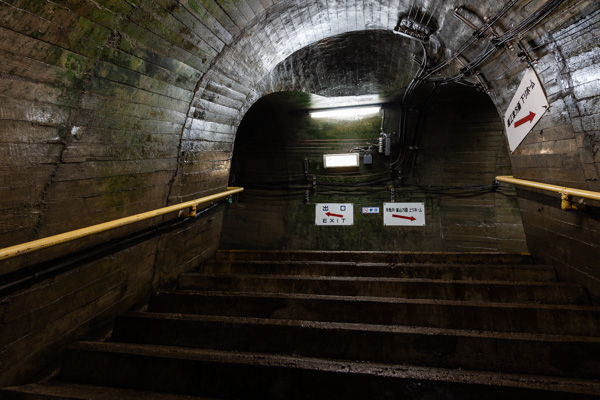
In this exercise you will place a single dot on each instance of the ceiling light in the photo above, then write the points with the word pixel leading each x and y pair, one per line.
pixel 353 112
pixel 341 160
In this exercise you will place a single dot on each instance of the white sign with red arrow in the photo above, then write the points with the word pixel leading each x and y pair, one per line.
pixel 525 110
pixel 334 214
pixel 404 214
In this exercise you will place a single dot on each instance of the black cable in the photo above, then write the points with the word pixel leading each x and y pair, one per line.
pixel 496 43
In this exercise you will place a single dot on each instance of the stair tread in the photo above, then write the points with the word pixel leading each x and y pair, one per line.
pixel 483 291
pixel 376 299
pixel 68 390
pixel 399 371
pixel 350 326
pixel 416 345
pixel 373 279
pixel 442 257
pixel 460 314
pixel 464 272
pixel 367 265
pixel 375 263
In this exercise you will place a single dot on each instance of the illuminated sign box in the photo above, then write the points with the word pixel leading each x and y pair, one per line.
pixel 341 160
pixel 346 113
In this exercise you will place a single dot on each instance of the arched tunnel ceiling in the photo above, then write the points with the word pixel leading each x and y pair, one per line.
pixel 336 48
pixel 362 63
pixel 99 78
pixel 290 26
pixel 114 107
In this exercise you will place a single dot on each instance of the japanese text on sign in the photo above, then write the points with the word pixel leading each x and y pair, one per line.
pixel 404 214
pixel 521 101
pixel 525 110
pixel 334 214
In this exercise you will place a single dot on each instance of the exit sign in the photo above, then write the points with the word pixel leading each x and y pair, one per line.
pixel 332 214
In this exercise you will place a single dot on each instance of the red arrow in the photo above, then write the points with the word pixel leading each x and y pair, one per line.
pixel 528 118
pixel 334 215
pixel 403 217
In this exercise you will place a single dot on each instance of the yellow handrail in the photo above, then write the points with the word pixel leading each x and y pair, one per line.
pixel 39 244
pixel 565 192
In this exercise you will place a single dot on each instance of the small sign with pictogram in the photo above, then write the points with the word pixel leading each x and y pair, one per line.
pixel 370 210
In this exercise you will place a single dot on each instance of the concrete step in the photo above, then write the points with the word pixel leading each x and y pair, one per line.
pixel 268 376
pixel 498 317
pixel 551 355
pixel 376 256
pixel 467 272
pixel 351 325
pixel 58 390
pixel 481 291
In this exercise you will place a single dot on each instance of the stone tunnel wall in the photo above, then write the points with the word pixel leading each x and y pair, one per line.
pixel 114 107
pixel 278 159
pixel 563 148
pixel 94 103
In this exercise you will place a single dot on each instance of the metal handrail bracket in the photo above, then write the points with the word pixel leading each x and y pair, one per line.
pixel 50 241
pixel 565 192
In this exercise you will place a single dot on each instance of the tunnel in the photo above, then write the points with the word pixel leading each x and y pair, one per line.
pixel 112 108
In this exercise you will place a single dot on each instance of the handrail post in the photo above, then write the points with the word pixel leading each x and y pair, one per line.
pixel 567 204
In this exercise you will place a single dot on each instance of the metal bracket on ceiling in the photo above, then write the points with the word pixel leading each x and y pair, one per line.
pixel 485 30
pixel 524 55
pixel 413 29
pixel 465 20
pixel 477 31
pixel 482 83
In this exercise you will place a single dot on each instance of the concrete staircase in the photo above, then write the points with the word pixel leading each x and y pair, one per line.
pixel 348 325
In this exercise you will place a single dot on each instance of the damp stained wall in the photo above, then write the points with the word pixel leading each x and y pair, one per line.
pixel 113 107
pixel 459 152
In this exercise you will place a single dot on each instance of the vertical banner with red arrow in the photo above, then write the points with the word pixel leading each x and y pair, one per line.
pixel 404 214
pixel 334 214
pixel 525 110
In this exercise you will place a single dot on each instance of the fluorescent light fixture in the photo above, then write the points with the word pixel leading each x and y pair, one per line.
pixel 341 160
pixel 351 112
